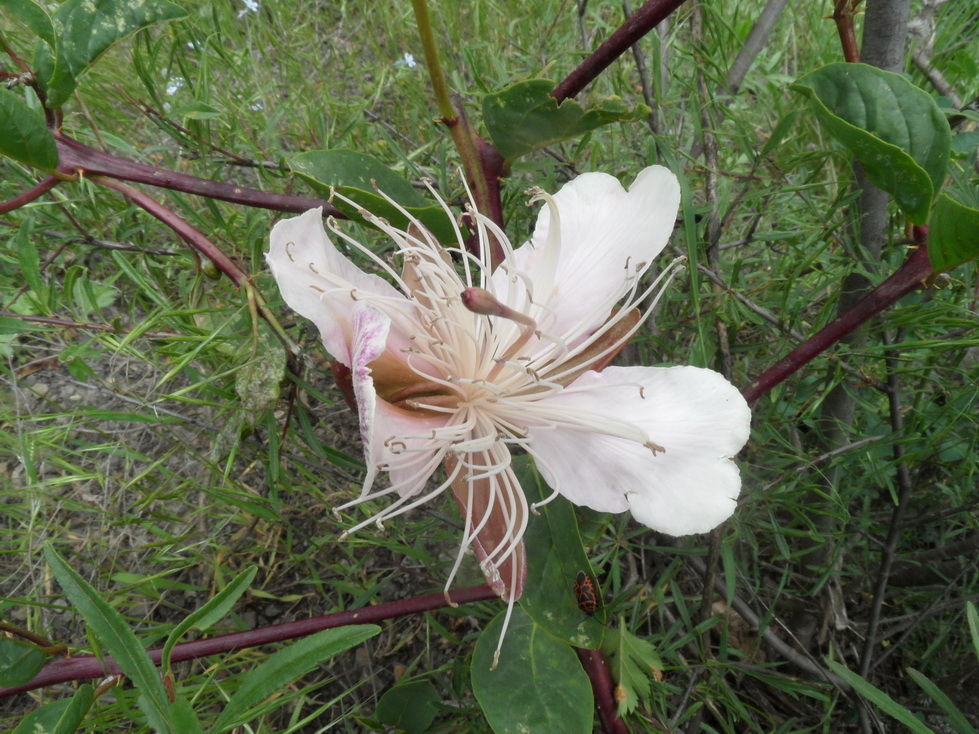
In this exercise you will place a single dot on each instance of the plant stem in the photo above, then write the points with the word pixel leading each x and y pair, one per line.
pixel 481 162
pixel 75 155
pixel 909 276
pixel 203 245
pixel 88 666
pixel 641 23
pixel 35 192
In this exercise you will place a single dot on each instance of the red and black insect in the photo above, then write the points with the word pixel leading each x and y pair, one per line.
pixel 584 591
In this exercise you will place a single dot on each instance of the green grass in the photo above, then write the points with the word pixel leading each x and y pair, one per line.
pixel 132 440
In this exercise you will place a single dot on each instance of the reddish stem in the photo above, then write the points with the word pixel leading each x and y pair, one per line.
pixel 638 25
pixel 88 666
pixel 194 237
pixel 843 12
pixel 604 689
pixel 35 192
pixel 916 270
pixel 74 155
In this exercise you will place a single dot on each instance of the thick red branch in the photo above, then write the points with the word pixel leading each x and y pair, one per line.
pixel 30 195
pixel 88 666
pixel 604 689
pixel 77 156
pixel 638 25
pixel 909 276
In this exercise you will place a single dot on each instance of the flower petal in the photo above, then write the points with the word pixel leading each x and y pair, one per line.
pixel 604 229
pixel 695 414
pixel 317 281
pixel 395 440
pixel 479 500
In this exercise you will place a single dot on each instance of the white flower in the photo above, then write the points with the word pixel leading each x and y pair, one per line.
pixel 455 363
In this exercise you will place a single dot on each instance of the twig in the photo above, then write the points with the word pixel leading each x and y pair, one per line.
pixel 601 681
pixel 77 156
pixel 88 666
pixel 915 271
pixel 647 88
pixel 33 193
pixel 802 660
pixel 897 515
pixel 641 23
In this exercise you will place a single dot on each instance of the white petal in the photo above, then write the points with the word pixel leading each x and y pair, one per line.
pixel 604 230
pixel 695 414
pixel 316 280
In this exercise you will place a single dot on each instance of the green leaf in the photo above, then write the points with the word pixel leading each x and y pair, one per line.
pixel 34 17
pixel 58 717
pixel 287 665
pixel 877 697
pixel 893 128
pixel 525 117
pixel 409 706
pixel 19 662
pixel 538 685
pixel 555 555
pixel 29 261
pixel 85 29
pixel 185 721
pixel 215 610
pixel 973 617
pixel 956 719
pixel 112 630
pixel 197 111
pixel 23 134
pixel 634 665
pixel 953 234
pixel 354 175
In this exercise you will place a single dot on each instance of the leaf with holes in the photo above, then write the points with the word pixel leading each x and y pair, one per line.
pixel 85 29
pixel 525 117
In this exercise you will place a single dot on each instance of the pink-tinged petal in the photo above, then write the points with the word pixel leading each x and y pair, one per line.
pixel 695 414
pixel 317 281
pixel 395 440
pixel 402 445
pixel 604 230
pixel 507 579
pixel 370 335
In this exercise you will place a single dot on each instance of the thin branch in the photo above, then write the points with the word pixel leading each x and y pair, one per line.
pixel 603 687
pixel 77 156
pixel 204 246
pixel 637 26
pixel 915 271
pixel 88 666
pixel 897 515
pixel 33 193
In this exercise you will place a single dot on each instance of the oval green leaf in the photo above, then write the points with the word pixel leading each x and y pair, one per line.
pixel 893 128
pixel 34 17
pixel 23 134
pixel 953 234
pixel 85 29
pixel 555 557
pixel 19 662
pixel 63 716
pixel 409 706
pixel 355 175
pixel 538 685
pixel 525 117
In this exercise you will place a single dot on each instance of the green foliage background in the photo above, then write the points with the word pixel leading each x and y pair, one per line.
pixel 133 436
